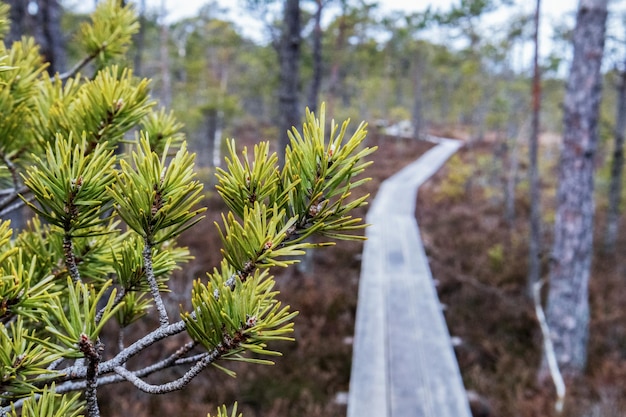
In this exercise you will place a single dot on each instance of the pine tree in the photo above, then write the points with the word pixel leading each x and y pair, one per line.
pixel 101 244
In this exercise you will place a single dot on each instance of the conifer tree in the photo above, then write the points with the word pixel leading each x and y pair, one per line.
pixel 101 244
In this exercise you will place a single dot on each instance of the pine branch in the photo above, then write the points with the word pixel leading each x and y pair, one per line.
pixel 76 372
pixel 228 344
pixel 176 359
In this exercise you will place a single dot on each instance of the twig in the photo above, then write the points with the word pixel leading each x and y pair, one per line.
pixel 13 207
pixel 141 344
pixel 170 360
pixel 227 344
pixel 176 385
pixel 72 72
pixel 154 286
pixel 7 204
pixel 70 258
pixel 79 372
pixel 93 354
pixel 173 360
pixel 548 348
pixel 13 170
pixel 118 299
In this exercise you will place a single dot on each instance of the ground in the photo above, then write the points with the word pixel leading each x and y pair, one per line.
pixel 479 261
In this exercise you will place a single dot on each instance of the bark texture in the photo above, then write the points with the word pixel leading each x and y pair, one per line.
pixel 568 300
pixel 289 56
pixel 417 113
pixel 534 248
pixel 164 53
pixel 617 168
pixel 318 64
pixel 140 39
pixel 42 20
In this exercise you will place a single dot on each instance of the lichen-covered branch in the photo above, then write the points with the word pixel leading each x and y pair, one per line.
pixel 152 282
pixel 93 355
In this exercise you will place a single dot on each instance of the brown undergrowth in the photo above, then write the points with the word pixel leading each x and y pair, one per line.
pixel 480 262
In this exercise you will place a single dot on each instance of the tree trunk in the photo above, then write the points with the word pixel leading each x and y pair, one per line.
pixel 617 164
pixel 166 82
pixel 316 82
pixel 140 39
pixel 534 247
pixel 207 147
pixel 52 39
pixel 418 113
pixel 289 56
pixel 44 26
pixel 335 77
pixel 514 132
pixel 568 303
pixel 18 16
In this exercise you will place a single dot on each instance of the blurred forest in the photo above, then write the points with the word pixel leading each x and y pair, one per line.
pixel 457 72
pixel 441 69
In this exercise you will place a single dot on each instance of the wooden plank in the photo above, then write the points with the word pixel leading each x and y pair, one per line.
pixel 403 361
pixel 369 326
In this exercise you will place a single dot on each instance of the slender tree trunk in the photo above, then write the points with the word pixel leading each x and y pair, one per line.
pixel 617 167
pixel 217 138
pixel 166 82
pixel 317 59
pixel 334 81
pixel 289 56
pixel 17 15
pixel 52 39
pixel 418 112
pixel 534 249
pixel 568 299
pixel 207 151
pixel 44 26
pixel 514 132
pixel 140 39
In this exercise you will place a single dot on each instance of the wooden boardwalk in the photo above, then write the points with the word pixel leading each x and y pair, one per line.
pixel 403 361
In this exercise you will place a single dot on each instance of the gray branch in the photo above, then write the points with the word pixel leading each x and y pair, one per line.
pixel 176 385
pixel 154 286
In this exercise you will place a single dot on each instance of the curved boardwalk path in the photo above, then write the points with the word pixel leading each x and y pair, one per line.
pixel 403 361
